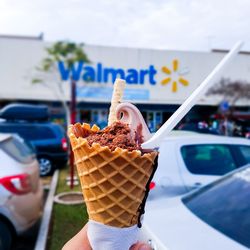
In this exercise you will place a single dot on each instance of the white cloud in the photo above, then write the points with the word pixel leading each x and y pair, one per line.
pixel 183 24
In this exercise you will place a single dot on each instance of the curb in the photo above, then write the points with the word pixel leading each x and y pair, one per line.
pixel 44 227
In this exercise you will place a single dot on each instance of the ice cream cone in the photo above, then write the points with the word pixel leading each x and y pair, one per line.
pixel 113 182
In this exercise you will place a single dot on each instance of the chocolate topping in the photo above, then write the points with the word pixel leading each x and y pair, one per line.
pixel 116 135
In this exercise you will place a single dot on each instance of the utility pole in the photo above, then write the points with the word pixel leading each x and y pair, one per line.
pixel 72 121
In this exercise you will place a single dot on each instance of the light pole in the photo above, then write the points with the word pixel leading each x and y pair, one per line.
pixel 72 121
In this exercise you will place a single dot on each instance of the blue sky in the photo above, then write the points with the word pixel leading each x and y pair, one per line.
pixel 173 24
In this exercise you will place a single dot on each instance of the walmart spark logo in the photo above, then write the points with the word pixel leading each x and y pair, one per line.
pixel 175 76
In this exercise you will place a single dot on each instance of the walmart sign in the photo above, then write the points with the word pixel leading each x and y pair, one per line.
pixel 100 73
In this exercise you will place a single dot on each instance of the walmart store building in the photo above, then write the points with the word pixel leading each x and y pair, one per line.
pixel 158 81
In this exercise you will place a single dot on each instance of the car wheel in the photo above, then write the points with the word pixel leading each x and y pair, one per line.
pixel 45 165
pixel 5 236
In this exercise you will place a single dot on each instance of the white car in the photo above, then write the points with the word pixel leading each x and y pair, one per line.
pixel 216 216
pixel 21 192
pixel 188 160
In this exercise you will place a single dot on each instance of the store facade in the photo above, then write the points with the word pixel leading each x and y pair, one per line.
pixel 158 81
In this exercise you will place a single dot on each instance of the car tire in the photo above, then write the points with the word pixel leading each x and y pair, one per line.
pixel 45 165
pixel 5 236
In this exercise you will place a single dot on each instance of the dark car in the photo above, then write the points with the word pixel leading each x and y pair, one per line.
pixel 48 139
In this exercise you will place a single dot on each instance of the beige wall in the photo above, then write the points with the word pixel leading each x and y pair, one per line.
pixel 18 58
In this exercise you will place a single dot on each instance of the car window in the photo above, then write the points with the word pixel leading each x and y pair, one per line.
pixel 17 150
pixel 245 150
pixel 208 159
pixel 30 132
pixel 225 205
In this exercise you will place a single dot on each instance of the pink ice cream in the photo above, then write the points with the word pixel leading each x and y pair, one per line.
pixel 129 114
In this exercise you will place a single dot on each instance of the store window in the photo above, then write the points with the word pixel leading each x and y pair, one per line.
pixel 99 117
pixel 154 120
pixel 85 116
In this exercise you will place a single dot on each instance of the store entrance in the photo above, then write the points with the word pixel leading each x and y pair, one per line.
pixel 94 116
pixel 99 117
pixel 154 120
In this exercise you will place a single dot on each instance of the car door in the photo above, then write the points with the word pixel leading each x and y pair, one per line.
pixel 167 178
pixel 203 163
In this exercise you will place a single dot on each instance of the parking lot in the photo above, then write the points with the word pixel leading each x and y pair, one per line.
pixel 124 125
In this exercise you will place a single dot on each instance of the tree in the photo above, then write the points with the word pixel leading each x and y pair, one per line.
pixel 62 51
pixel 68 53
pixel 231 91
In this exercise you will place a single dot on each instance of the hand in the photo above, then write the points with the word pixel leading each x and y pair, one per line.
pixel 80 242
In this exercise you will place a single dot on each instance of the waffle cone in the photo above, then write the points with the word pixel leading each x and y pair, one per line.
pixel 113 182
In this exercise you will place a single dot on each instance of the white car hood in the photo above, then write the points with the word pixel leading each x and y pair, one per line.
pixel 173 226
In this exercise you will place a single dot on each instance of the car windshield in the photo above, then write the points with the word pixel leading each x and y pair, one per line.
pixel 16 148
pixel 225 205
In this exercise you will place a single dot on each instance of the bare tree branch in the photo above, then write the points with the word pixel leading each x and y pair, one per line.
pixel 232 91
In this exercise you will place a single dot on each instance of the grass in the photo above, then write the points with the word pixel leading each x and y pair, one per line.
pixel 61 185
pixel 66 220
